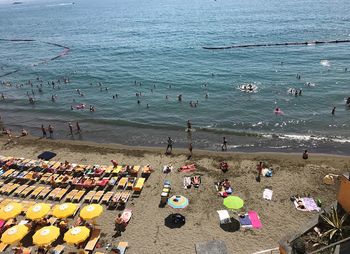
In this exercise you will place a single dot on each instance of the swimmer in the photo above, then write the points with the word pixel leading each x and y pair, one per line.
pixel 206 96
pixel 300 91
pixel 179 97
pixel 189 126
pixel 147 106
pixel 333 110
pixel 166 97
pixel 138 102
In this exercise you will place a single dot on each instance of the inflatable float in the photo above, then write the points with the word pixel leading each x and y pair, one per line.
pixel 80 106
pixel 248 88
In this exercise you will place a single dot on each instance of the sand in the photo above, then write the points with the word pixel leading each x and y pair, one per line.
pixel 146 232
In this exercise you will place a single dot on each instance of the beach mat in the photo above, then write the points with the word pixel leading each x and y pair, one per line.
pixel 211 247
pixel 47 155
pixel 254 218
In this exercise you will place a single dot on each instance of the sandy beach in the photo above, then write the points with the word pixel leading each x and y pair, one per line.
pixel 146 232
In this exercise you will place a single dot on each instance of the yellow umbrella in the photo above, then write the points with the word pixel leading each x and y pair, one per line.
pixel 76 235
pixel 10 211
pixel 90 212
pixel 14 234
pixel 46 235
pixel 38 211
pixel 64 210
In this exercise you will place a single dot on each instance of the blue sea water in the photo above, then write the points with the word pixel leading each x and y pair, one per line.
pixel 160 44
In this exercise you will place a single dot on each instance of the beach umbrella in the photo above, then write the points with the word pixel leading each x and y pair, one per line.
pixel 14 234
pixel 175 220
pixel 38 211
pixel 46 235
pixel 90 212
pixel 233 202
pixel 178 202
pixel 10 211
pixel 64 210
pixel 76 235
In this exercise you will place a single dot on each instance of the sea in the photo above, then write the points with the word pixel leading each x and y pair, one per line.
pixel 131 59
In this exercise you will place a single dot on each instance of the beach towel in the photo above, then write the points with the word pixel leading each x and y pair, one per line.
pixel 188 168
pixel 245 221
pixel 187 182
pixel 266 172
pixel 196 181
pixel 224 216
pixel 267 194
pixel 126 215
pixel 46 155
pixel 254 218
pixel 306 205
pixel 310 204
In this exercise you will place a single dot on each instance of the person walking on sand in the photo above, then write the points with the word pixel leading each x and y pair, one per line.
pixel 190 148
pixel 43 131
pixel 51 131
pixel 305 155
pixel 78 128
pixel 169 146
pixel 224 144
pixel 259 168
pixel 70 128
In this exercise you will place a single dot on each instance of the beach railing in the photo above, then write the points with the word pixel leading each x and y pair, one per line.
pixel 269 251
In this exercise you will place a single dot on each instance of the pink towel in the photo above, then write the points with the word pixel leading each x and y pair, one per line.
pixel 254 218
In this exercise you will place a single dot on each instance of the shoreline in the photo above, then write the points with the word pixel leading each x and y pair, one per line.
pixel 200 139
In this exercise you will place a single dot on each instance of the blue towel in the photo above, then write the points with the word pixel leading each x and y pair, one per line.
pixel 245 220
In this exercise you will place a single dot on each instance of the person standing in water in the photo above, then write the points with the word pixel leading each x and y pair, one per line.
pixel 43 131
pixel 78 128
pixel 333 110
pixel 51 130
pixel 224 144
pixel 189 126
pixel 70 128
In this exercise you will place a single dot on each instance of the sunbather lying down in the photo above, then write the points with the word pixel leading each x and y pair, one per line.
pixel 223 166
pixel 167 168
pixel 196 181
pixel 224 188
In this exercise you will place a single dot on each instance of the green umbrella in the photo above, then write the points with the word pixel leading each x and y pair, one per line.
pixel 233 202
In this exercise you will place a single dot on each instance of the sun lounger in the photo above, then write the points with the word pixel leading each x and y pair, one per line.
pixel 130 183
pixel 26 204
pixel 78 196
pixel 45 177
pixel 11 189
pixel 60 194
pixel 44 192
pixel 117 169
pixel 103 182
pixel 122 247
pixel 3 188
pixel 20 189
pixel 71 195
pixel 36 192
pixel 106 197
pixel 135 170
pixel 139 184
pixel 224 216
pixel 58 249
pixel 96 198
pixel 8 173
pixel 146 171
pixel 124 197
pixel 3 247
pixel 122 183
pixel 95 236
pixel 109 169
pixel 27 191
pixel 89 196
pixel 53 193
pixel 115 199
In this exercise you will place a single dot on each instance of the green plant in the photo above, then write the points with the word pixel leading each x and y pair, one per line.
pixel 336 224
